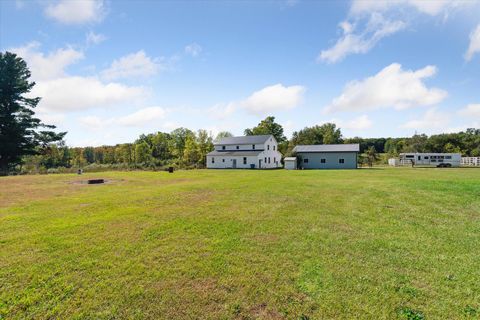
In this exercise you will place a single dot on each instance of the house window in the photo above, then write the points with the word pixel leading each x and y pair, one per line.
pixel 274 159
pixel 265 159
pixel 238 147
pixel 244 160
pixel 341 160
pixel 426 157
pixel 448 157
pixel 253 146
pixel 268 159
pixel 223 147
pixel 223 160
pixel 323 160
pixel 268 147
pixel 213 160
pixel 273 148
pixel 419 158
pixel 305 160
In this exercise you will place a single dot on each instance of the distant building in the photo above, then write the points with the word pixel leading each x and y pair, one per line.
pixel 246 152
pixel 431 159
pixel 327 156
pixel 290 163
pixel 470 161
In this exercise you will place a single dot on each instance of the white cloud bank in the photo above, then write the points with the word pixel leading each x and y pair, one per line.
pixel 429 7
pixel 94 38
pixel 193 49
pixel 474 46
pixel 362 122
pixel 137 64
pixel 76 11
pixel 369 21
pixel 62 92
pixel 136 119
pixel 47 66
pixel 432 119
pixel 79 93
pixel 472 110
pixel 391 87
pixel 360 42
pixel 273 98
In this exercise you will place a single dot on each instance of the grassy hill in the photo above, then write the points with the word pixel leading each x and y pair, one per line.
pixel 370 243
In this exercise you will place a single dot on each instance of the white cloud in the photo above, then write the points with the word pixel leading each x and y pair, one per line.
pixel 93 122
pixel 133 65
pixel 193 49
pixel 76 11
pixel 391 87
pixel 429 7
pixel 142 117
pixel 432 119
pixel 472 110
pixel 95 38
pixel 274 98
pixel 47 66
pixel 61 92
pixel 222 111
pixel 474 46
pixel 369 21
pixel 362 122
pixel 78 93
pixel 136 119
pixel 360 42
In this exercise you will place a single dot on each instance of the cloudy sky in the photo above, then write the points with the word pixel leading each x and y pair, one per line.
pixel 108 71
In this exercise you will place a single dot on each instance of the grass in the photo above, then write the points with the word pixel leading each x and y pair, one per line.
pixel 369 244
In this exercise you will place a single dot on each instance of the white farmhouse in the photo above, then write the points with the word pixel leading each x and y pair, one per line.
pixel 248 152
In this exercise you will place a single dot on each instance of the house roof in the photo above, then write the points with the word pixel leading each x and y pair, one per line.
pixel 354 147
pixel 230 153
pixel 243 140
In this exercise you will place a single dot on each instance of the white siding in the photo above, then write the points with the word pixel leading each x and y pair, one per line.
pixel 231 147
pixel 269 158
pixel 226 162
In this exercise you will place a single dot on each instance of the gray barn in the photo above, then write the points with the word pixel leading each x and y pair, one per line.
pixel 327 156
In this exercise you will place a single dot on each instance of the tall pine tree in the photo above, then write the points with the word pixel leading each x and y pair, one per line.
pixel 21 133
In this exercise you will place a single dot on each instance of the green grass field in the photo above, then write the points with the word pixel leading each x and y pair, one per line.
pixel 212 244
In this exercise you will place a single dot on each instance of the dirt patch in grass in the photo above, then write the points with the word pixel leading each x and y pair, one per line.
pixel 261 311
pixel 25 189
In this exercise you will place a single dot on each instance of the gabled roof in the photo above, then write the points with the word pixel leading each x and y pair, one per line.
pixel 354 147
pixel 230 153
pixel 243 140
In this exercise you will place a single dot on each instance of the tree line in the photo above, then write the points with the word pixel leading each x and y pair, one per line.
pixel 29 146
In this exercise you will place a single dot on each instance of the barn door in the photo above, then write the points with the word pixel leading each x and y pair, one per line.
pixel 234 163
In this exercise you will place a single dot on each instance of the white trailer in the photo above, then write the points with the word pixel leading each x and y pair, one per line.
pixel 431 159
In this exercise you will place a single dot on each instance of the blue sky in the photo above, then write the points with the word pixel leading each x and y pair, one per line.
pixel 111 70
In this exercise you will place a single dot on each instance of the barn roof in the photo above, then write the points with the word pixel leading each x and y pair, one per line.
pixel 235 153
pixel 243 140
pixel 354 147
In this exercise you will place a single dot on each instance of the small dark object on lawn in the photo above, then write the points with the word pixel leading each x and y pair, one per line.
pixel 79 171
pixel 96 181
pixel 170 169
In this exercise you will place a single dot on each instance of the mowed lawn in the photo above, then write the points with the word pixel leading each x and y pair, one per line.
pixel 221 244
